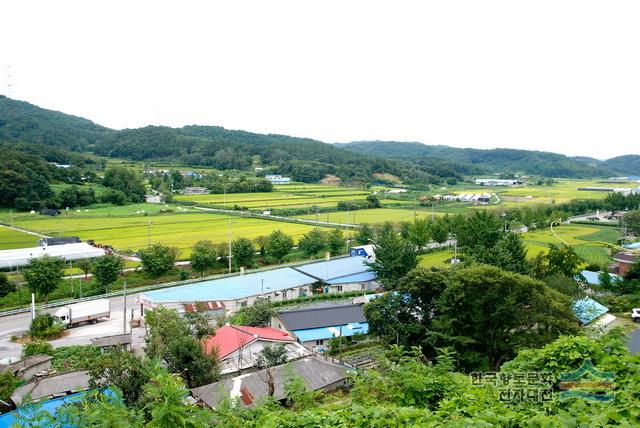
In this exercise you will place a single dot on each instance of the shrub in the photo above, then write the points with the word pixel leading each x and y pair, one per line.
pixel 45 326
pixel 37 347
pixel 76 357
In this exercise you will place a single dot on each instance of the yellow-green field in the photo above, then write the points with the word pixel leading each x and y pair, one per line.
pixel 292 196
pixel 377 215
pixel 589 242
pixel 131 232
pixel 436 258
pixel 10 239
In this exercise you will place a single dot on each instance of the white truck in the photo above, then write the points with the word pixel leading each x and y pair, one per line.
pixel 90 311
pixel 635 314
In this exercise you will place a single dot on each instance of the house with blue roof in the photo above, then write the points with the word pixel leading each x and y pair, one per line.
pixel 314 327
pixel 342 275
pixel 593 278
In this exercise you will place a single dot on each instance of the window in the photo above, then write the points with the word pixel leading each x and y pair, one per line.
pixel 284 294
pixel 339 288
pixel 243 304
pixel 319 342
pixel 361 286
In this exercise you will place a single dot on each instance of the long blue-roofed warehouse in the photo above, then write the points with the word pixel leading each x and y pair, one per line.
pixel 229 294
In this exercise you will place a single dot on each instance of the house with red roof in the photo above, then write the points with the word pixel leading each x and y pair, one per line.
pixel 238 346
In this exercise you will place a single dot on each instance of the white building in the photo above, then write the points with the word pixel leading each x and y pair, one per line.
pixel 278 179
pixel 497 182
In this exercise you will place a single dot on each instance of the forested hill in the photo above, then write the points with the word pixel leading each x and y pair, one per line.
pixel 494 160
pixel 629 164
pixel 303 159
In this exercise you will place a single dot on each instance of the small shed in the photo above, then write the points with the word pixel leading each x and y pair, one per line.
pixel 113 341
pixel 55 386
pixel 27 367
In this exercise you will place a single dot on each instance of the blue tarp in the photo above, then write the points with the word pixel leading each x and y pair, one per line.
pixel 10 419
pixel 633 246
pixel 587 310
pixel 338 268
pixel 232 288
pixel 324 333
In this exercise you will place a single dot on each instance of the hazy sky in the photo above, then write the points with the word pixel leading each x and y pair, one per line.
pixel 556 75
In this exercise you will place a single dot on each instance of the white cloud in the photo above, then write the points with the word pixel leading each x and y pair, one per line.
pixel 549 75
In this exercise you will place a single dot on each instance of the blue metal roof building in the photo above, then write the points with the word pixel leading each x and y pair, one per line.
pixel 594 277
pixel 587 310
pixel 333 269
pixel 232 288
pixel 324 333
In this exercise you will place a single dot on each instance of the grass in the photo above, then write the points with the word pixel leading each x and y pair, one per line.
pixel 438 258
pixel 10 239
pixel 376 215
pixel 125 230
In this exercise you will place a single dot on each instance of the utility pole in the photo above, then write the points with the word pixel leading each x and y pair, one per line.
pixel 149 233
pixel 33 306
pixel 124 309
pixel 230 237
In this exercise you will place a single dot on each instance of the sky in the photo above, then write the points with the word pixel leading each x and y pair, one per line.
pixel 560 76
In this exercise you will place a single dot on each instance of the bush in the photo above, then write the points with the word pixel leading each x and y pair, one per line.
pixel 45 326
pixel 37 347
pixel 6 286
pixel 76 357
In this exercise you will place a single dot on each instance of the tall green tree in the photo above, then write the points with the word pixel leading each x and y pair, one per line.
pixel 365 234
pixel 564 260
pixel 486 314
pixel 6 286
pixel 186 357
pixel 279 244
pixel 313 242
pixel 336 242
pixel 122 369
pixel 106 270
pixel 158 259
pixel 439 231
pixel 419 232
pixel 243 253
pixel 203 256
pixel 510 253
pixel 395 257
pixel 44 274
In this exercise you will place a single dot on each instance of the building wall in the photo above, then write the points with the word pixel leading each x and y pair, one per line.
pixel 28 372
pixel 352 286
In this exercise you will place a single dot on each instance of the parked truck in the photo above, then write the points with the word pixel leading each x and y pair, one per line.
pixel 90 311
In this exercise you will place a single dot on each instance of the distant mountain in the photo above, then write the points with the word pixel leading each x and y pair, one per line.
pixel 625 165
pixel 303 159
pixel 488 161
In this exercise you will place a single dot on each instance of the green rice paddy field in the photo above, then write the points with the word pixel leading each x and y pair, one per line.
pixel 371 216
pixel 122 228
pixel 10 239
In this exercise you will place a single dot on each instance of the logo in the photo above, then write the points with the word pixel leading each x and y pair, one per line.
pixel 587 382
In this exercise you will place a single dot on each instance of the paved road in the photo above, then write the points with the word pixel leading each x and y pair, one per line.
pixel 19 323
pixel 634 341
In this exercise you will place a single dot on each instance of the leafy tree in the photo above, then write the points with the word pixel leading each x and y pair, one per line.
pixel 85 266
pixel 486 314
pixel 243 253
pixel 419 232
pixel 365 234
pixel 106 270
pixel 313 242
pixel 6 286
pixel 268 359
pixel 439 231
pixel 395 257
pixel 44 274
pixel 158 259
pixel 37 347
pixel 564 260
pixel 279 244
pixel 124 180
pixel 630 280
pixel 374 201
pixel 510 253
pixel 632 220
pixel 186 357
pixel 122 369
pixel 203 256
pixel 8 384
pixel 605 278
pixel 261 241
pixel 336 241
pixel 257 315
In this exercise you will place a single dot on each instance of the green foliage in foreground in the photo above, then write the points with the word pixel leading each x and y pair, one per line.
pixel 404 391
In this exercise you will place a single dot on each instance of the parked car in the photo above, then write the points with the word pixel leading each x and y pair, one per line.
pixel 635 314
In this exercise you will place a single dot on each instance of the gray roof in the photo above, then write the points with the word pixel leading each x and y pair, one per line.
pixel 33 360
pixel 315 371
pixel 322 317
pixel 115 340
pixel 61 240
pixel 52 387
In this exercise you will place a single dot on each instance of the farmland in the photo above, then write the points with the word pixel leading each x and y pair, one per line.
pixel 378 215
pixel 10 239
pixel 122 228
pixel 293 196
